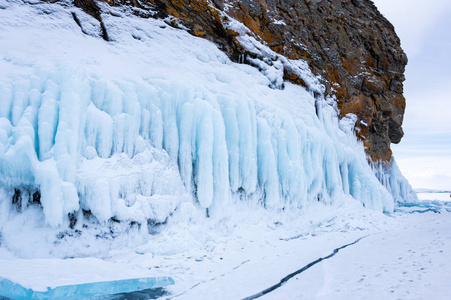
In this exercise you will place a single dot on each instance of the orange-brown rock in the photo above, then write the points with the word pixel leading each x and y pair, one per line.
pixel 348 42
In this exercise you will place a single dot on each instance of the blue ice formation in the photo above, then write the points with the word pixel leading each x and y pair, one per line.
pixel 111 147
pixel 391 178
pixel 423 206
pixel 139 126
pixel 83 291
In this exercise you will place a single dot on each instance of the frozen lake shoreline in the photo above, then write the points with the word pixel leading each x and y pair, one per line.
pixel 402 255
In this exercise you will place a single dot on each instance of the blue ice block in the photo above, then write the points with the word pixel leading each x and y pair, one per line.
pixel 81 291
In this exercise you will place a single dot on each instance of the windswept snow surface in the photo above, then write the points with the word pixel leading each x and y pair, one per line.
pixel 402 255
pixel 154 131
pixel 409 261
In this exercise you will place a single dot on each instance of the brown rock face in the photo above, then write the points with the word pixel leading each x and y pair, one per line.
pixel 352 46
pixel 348 42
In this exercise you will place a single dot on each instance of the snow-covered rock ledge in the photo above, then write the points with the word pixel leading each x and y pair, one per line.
pixel 156 121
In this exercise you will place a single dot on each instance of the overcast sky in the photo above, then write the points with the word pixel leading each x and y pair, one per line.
pixel 424 27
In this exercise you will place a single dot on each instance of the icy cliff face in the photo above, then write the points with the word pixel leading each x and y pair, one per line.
pixel 348 43
pixel 392 179
pixel 129 130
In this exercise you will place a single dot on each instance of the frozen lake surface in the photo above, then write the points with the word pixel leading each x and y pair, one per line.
pixel 402 255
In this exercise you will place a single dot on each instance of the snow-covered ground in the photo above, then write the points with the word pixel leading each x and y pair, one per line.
pixel 399 256
pixel 412 260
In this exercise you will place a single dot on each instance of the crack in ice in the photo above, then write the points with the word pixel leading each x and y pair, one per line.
pixel 306 267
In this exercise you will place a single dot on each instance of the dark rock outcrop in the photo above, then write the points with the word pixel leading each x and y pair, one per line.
pixel 347 42
pixel 91 8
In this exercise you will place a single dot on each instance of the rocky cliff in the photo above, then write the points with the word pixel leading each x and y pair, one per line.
pixel 351 47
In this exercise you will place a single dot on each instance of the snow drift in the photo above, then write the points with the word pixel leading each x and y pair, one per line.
pixel 130 129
